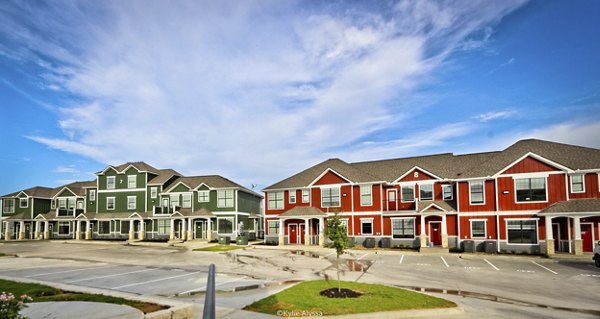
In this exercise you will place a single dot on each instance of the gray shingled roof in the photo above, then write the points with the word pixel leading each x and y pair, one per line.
pixel 141 166
pixel 303 211
pixel 37 191
pixel 212 181
pixel 447 206
pixel 202 212
pixel 78 188
pixel 163 176
pixel 573 206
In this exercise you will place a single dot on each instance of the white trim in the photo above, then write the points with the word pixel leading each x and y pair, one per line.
pixel 121 190
pixel 197 188
pixel 175 186
pixel 530 202
pixel 307 191
pixel 339 190
pixel 114 199
pixel 292 194
pixel 232 225
pixel 298 234
pixel 451 192
pixel 92 191
pixel 370 220
pixel 501 213
pixel 537 231
pixel 153 190
pixel 325 173
pixel 537 157
pixel 411 170
pixel 404 218
pixel 114 182
pixel 429 228
pixel 432 205
pixel 531 175
pixel 134 177
pixel 484 228
pixel 413 191
pixel 191 196
pixel 483 192
pixel 225 192
pixel 207 195
pixel 432 191
pixel 134 202
pixel 26 200
pixel 62 190
pixel 582 182
pixel 276 201
pixel 370 188
pixel 593 233
pixel 269 221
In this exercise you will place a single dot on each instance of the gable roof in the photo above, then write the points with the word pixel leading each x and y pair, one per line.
pixel 140 166
pixel 77 188
pixel 212 181
pixel 163 176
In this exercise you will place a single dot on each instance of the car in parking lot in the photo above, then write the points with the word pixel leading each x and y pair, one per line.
pixel 597 255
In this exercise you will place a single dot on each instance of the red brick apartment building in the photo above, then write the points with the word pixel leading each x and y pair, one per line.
pixel 535 197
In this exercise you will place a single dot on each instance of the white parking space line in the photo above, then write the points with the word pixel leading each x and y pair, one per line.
pixel 489 263
pixel 423 264
pixel 590 275
pixel 363 256
pixel 445 263
pixel 67 271
pixel 155 280
pixel 401 259
pixel 108 276
pixel 548 269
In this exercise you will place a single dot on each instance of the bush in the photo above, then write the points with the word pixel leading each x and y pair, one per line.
pixel 11 306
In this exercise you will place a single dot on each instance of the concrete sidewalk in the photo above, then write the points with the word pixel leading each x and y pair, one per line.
pixel 79 309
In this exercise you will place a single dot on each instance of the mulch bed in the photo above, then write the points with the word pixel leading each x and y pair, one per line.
pixel 342 293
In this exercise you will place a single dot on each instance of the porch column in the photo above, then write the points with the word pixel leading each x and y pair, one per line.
pixel 7 233
pixel 423 236
pixel 281 233
pixel 208 230
pixel 77 230
pixel 88 230
pixel 21 230
pixel 183 232
pixel 132 229
pixel 172 233
pixel 321 231
pixel 142 230
pixel 578 243
pixel 190 234
pixel 46 230
pixel 306 232
pixel 444 232
pixel 549 237
pixel 37 230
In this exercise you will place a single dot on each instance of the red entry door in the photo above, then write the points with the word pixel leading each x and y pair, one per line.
pixel 435 233
pixel 586 237
pixel 293 234
pixel 392 200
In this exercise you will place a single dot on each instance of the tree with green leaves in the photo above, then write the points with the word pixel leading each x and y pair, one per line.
pixel 338 234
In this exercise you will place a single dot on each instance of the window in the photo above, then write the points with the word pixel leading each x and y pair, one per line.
pixel 225 198
pixel 447 192
pixel 92 195
pixel 330 197
pixel 153 192
pixel 104 227
pixel 577 185
pixel 275 200
pixel 125 226
pixel 426 192
pixel 203 196
pixel 531 189
pixel 131 202
pixel 131 181
pixel 366 226
pixel 110 203
pixel 164 226
pixel 71 202
pixel 53 204
pixel 476 191
pixel 522 231
pixel 9 205
pixel 273 227
pixel 366 198
pixel 408 193
pixel 79 204
pixel 187 200
pixel 174 200
pixel 110 182
pixel 23 202
pixel 62 203
pixel 292 196
pixel 64 228
pixel 478 229
pixel 225 225
pixel 305 195
pixel 403 228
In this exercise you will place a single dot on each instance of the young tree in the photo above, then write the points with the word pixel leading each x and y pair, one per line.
pixel 338 234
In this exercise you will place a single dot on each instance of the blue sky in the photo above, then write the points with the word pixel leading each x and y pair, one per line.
pixel 259 90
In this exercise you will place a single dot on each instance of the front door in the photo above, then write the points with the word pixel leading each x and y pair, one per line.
pixel 435 233
pixel 556 234
pixel 27 231
pixel 293 233
pixel 586 237
pixel 392 200
pixel 200 229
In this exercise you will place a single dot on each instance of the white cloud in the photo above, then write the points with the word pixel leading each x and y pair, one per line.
pixel 249 90
pixel 69 169
pixel 495 115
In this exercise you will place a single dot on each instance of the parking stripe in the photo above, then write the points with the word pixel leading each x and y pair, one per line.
pixel 107 276
pixel 489 263
pixel 445 263
pixel 66 271
pixel 155 280
pixel 401 259
pixel 363 256
pixel 548 269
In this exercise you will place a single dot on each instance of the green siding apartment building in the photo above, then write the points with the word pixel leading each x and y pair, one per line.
pixel 134 201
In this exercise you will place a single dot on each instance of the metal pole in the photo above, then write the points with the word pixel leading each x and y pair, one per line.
pixel 209 298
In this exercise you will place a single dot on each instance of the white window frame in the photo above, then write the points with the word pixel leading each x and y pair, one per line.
pixel 183 201
pixel 451 192
pixel 306 195
pixel 532 177
pixel 176 202
pixel 92 195
pixel 111 180
pixel 4 206
pixel 402 193
pixel 332 196
pixel 275 200
pixel 405 218
pixel 269 227
pixel 62 203
pixel 21 202
pixel 203 196
pixel 292 196
pixel 537 230
pixel 130 179
pixel 153 192
pixel 484 228
pixel 366 220
pixel 129 202
pixel 166 226
pixel 421 189
pixel 582 183
pixel 109 227
pixel 482 190
pixel 232 225
pixel 58 227
pixel 364 194
pixel 114 203
pixel 223 194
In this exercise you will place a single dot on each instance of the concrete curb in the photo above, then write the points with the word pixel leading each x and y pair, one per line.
pixel 419 313
pixel 176 310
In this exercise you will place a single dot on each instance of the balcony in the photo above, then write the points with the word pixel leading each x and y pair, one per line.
pixel 68 212
pixel 164 210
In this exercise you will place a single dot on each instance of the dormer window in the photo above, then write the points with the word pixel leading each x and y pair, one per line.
pixel 23 203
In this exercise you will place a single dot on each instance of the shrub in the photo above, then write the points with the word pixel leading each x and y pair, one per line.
pixel 11 306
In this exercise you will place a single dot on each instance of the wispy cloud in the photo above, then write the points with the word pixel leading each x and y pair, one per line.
pixel 251 90
pixel 69 169
pixel 502 65
pixel 495 115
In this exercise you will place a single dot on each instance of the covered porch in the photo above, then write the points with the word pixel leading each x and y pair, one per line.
pixel 302 226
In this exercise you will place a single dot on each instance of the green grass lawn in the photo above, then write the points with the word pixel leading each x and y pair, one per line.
pixel 220 248
pixel 41 293
pixel 305 297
